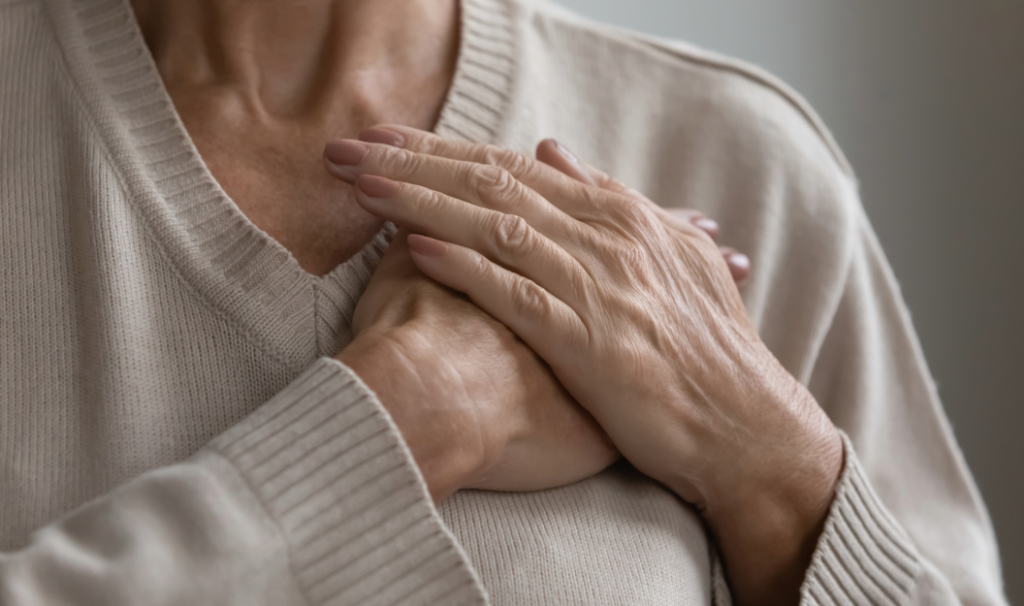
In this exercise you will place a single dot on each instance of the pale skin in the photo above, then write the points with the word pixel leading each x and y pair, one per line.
pixel 654 361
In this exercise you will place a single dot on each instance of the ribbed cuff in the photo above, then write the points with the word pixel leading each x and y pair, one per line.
pixel 864 556
pixel 720 593
pixel 330 466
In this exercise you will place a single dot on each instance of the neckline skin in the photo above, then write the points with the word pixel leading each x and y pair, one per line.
pixel 261 85
pixel 306 62
pixel 246 277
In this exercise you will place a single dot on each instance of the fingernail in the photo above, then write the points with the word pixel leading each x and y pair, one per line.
pixel 708 225
pixel 427 247
pixel 345 152
pixel 377 187
pixel 382 135
pixel 739 260
pixel 568 155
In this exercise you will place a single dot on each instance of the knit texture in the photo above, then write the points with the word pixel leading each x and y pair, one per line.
pixel 864 556
pixel 173 430
pixel 377 541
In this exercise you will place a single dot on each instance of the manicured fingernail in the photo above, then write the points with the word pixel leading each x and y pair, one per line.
pixel 568 155
pixel 708 225
pixel 427 247
pixel 377 187
pixel 382 135
pixel 739 261
pixel 345 152
pixel 575 169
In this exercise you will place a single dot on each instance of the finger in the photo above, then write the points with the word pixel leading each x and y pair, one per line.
pixel 538 176
pixel 550 153
pixel 539 318
pixel 739 263
pixel 482 185
pixel 564 180
pixel 556 155
pixel 688 216
pixel 504 238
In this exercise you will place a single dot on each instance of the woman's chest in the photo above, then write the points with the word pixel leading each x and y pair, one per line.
pixel 617 538
pixel 278 181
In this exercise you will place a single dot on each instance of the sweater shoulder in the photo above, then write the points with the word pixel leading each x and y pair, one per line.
pixel 671 79
pixel 691 128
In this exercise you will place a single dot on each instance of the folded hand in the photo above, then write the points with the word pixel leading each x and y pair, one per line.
pixel 638 317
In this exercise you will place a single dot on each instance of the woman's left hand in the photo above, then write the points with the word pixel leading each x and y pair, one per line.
pixel 639 319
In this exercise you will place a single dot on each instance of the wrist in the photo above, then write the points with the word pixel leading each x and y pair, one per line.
pixel 767 522
pixel 767 489
pixel 768 537
pixel 387 363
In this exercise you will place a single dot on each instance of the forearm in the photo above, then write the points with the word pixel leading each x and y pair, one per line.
pixel 189 533
pixel 314 491
pixel 770 481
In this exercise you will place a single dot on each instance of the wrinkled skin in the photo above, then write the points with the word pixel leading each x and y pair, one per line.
pixel 456 378
pixel 488 413
pixel 639 319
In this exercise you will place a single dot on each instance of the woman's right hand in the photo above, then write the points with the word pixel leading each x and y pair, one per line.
pixel 475 405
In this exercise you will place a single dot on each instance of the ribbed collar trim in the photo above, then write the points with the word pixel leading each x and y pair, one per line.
pixel 247 277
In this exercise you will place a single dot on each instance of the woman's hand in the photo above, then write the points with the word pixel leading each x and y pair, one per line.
pixel 642 323
pixel 475 405
pixel 554 154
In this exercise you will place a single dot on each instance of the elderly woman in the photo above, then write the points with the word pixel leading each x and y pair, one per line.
pixel 228 379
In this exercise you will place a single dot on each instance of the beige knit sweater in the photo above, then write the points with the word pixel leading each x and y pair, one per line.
pixel 173 430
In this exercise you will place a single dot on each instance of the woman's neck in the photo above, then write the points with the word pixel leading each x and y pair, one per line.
pixel 261 85
pixel 304 60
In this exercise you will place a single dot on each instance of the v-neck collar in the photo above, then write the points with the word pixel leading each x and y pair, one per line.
pixel 249 278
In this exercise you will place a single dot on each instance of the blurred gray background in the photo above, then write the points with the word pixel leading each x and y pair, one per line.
pixel 926 97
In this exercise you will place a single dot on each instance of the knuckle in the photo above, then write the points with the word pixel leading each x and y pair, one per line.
pixel 631 260
pixel 514 162
pixel 396 161
pixel 513 234
pixel 631 213
pixel 427 143
pixel 529 300
pixel 431 206
pixel 492 178
pixel 494 182
pixel 481 268
pixel 634 257
pixel 427 198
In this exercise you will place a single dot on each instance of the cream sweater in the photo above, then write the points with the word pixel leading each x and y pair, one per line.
pixel 173 430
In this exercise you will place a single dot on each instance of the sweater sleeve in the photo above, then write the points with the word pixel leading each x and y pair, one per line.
pixel 864 556
pixel 312 499
pixel 908 525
